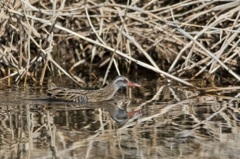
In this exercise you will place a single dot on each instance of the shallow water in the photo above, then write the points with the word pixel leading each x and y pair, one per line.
pixel 159 122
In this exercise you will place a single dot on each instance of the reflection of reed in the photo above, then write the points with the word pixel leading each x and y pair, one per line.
pixel 203 126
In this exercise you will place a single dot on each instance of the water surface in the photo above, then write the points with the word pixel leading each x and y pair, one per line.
pixel 160 122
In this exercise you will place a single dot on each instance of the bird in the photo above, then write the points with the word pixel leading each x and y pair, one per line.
pixel 83 96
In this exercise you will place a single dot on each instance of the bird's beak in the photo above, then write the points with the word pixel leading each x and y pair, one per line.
pixel 131 84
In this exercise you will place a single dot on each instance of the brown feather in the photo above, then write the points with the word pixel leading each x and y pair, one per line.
pixel 79 95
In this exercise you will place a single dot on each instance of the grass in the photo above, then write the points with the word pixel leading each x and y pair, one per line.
pixel 179 41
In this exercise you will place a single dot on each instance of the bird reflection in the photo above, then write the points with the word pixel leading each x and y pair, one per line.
pixel 116 107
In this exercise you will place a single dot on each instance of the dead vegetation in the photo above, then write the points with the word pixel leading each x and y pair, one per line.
pixel 186 39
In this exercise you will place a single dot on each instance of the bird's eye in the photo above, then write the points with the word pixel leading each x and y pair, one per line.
pixel 122 81
pixel 125 81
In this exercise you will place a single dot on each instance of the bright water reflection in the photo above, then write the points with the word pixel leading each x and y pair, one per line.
pixel 174 123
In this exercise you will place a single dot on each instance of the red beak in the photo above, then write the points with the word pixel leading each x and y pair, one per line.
pixel 134 113
pixel 133 84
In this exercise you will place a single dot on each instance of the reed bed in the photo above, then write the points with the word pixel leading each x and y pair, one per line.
pixel 179 41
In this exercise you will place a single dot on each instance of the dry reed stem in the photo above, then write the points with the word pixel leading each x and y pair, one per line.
pixel 209 53
pixel 136 32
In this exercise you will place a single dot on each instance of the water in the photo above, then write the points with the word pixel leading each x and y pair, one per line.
pixel 160 122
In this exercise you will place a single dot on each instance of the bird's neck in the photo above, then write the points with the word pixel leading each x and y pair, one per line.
pixel 109 90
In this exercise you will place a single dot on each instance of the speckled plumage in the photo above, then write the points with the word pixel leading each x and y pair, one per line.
pixel 79 95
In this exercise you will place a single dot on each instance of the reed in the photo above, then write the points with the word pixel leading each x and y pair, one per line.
pixel 178 41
